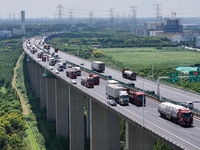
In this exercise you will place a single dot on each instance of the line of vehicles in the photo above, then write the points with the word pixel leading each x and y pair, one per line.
pixel 115 92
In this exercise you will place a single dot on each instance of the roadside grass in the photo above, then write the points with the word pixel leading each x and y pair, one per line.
pixel 31 138
pixel 146 57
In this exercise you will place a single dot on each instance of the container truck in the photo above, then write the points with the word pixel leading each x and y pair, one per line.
pixel 176 113
pixel 128 74
pixel 116 92
pixel 78 71
pixel 96 78
pixel 60 67
pixel 136 98
pixel 87 81
pixel 71 74
pixel 98 66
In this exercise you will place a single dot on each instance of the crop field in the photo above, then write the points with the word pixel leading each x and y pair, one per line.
pixel 148 57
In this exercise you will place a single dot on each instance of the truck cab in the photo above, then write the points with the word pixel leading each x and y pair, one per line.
pixel 123 98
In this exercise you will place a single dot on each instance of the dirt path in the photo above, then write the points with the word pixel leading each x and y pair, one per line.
pixel 25 110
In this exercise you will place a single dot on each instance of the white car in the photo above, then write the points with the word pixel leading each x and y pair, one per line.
pixel 50 67
pixel 57 72
pixel 38 59
pixel 73 81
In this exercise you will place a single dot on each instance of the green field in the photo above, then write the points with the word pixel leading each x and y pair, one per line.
pixel 147 57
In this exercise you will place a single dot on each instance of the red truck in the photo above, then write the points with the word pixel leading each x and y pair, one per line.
pixel 128 74
pixel 176 113
pixel 87 81
pixel 136 98
pixel 55 50
pixel 96 78
pixel 44 58
pixel 71 74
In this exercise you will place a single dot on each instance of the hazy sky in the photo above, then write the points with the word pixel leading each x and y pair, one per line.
pixel 99 8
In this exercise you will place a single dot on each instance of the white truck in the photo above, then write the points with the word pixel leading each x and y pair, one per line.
pixel 60 67
pixel 116 92
pixel 98 66
pixel 78 71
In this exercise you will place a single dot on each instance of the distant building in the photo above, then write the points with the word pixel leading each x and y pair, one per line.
pixel 5 34
pixel 23 21
pixel 22 30
pixel 173 25
pixel 152 26
pixel 198 41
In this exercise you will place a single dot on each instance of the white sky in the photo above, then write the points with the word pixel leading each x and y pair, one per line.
pixel 100 8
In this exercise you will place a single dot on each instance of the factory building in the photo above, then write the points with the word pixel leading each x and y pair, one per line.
pixel 22 30
pixel 173 25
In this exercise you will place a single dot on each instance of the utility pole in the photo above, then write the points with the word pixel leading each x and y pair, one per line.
pixel 158 14
pixel 133 15
pixel 60 12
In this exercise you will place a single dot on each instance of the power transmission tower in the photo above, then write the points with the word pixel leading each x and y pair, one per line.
pixel 158 14
pixel 174 14
pixel 111 15
pixel 71 16
pixel 91 14
pixel 133 15
pixel 60 11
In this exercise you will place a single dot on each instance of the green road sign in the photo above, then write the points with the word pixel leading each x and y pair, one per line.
pixel 194 76
pixel 173 77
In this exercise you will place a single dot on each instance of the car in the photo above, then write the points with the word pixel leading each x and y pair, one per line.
pixel 69 66
pixel 189 105
pixel 38 59
pixel 111 102
pixel 73 81
pixel 57 72
pixel 131 84
pixel 82 64
pixel 50 67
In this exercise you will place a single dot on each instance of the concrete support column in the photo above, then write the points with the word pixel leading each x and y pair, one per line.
pixel 88 117
pixel 38 81
pixel 62 110
pixel 136 138
pixel 34 65
pixel 42 91
pixel 50 100
pixel 76 119
pixel 105 128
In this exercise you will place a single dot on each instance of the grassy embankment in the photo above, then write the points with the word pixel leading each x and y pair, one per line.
pixel 18 85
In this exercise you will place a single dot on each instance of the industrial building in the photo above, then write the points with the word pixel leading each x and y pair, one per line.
pixel 5 34
pixel 173 25
pixel 22 30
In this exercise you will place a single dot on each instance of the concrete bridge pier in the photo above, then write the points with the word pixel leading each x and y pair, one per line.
pixel 61 108
pixel 43 94
pixel 88 117
pixel 50 98
pixel 76 119
pixel 105 128
pixel 136 138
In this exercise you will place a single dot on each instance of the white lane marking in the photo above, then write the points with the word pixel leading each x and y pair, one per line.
pixel 185 131
pixel 155 109
pixel 142 110
pixel 198 128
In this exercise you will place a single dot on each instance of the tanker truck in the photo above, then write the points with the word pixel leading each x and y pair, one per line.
pixel 176 113
pixel 87 81
pixel 98 66
pixel 128 74
pixel 116 92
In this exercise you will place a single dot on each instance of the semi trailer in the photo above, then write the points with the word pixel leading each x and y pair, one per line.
pixel 98 66
pixel 128 74
pixel 176 113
